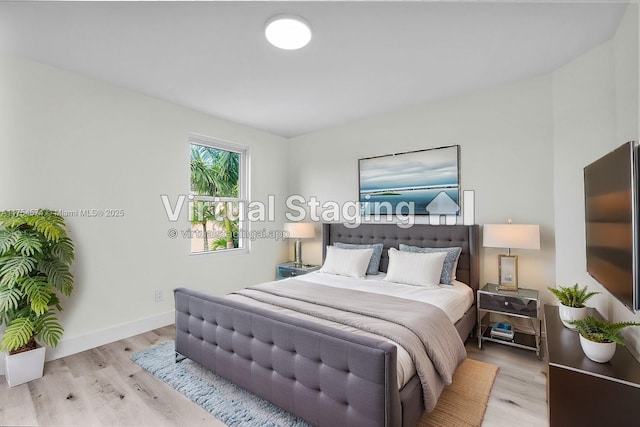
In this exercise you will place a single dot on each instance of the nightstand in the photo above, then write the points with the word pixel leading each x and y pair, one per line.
pixel 291 269
pixel 582 392
pixel 520 303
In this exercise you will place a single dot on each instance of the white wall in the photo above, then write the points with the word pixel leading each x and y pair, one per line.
pixel 505 138
pixel 595 100
pixel 70 142
pixel 584 129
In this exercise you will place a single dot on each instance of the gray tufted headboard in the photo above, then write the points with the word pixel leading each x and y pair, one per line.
pixel 423 235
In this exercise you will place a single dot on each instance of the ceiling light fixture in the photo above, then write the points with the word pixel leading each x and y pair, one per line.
pixel 288 32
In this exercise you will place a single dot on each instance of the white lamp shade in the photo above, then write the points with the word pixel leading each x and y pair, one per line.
pixel 300 230
pixel 511 236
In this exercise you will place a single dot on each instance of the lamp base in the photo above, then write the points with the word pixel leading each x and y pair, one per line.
pixel 507 272
pixel 297 252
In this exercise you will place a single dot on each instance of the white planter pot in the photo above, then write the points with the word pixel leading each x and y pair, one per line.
pixel 571 313
pixel 24 367
pixel 600 352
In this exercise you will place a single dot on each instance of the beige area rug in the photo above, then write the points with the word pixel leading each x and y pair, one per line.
pixel 464 401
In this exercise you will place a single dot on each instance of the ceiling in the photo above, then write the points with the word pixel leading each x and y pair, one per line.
pixel 365 58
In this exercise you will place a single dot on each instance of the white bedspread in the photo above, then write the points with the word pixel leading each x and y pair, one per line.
pixel 453 300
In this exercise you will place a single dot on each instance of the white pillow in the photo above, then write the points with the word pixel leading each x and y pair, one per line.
pixel 346 262
pixel 413 268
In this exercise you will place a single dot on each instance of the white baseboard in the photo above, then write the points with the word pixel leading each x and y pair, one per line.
pixel 67 347
pixel 74 345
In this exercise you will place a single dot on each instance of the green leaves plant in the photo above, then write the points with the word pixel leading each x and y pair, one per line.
pixel 58 275
pixel 35 261
pixel 8 238
pixel 14 267
pixel 48 330
pixel 17 334
pixel 38 290
pixel 598 330
pixel 63 250
pixel 572 296
pixel 10 298
pixel 28 244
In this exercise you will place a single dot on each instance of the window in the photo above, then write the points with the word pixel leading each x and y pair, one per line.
pixel 218 195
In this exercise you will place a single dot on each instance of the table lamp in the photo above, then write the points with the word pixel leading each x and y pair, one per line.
pixel 299 230
pixel 510 236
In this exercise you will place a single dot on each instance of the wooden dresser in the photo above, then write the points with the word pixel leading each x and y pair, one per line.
pixel 583 393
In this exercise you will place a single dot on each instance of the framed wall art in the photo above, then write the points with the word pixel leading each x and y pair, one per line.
pixel 426 181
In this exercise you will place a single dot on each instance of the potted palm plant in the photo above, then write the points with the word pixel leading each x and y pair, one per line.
pixel 598 338
pixel 35 257
pixel 572 303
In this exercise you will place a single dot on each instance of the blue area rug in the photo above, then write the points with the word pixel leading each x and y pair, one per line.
pixel 224 400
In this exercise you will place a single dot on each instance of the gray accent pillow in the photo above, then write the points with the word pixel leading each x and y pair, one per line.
pixel 374 262
pixel 450 261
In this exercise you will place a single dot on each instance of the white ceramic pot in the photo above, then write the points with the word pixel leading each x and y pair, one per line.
pixel 600 352
pixel 24 367
pixel 571 313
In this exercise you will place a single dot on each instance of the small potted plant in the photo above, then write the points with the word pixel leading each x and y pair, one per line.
pixel 598 338
pixel 35 256
pixel 572 303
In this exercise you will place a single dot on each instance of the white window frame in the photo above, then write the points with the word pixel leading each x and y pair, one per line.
pixel 244 228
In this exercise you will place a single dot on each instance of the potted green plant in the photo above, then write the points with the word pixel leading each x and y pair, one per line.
pixel 35 260
pixel 572 303
pixel 598 338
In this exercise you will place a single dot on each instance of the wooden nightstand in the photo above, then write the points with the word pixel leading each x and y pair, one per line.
pixel 291 269
pixel 522 303
pixel 582 392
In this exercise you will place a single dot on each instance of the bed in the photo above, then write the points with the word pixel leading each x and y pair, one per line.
pixel 324 375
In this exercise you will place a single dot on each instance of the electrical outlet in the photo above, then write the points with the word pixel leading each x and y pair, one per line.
pixel 159 296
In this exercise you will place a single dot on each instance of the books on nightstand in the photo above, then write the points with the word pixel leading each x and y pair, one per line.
pixel 502 330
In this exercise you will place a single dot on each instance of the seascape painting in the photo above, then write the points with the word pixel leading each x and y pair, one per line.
pixel 425 181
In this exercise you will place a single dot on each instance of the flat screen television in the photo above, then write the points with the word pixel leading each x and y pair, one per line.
pixel 611 220
pixel 423 182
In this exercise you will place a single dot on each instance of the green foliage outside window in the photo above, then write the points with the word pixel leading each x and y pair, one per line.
pixel 215 173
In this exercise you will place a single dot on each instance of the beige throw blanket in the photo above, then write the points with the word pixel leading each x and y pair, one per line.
pixel 422 329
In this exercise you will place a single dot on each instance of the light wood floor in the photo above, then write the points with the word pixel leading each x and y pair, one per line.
pixel 102 387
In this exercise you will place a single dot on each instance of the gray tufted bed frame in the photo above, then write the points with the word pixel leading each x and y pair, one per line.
pixel 325 376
